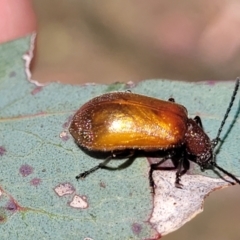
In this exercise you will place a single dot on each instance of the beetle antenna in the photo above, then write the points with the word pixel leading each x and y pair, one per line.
pixel 214 164
pixel 216 140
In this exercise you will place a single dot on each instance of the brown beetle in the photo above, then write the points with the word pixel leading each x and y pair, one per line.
pixel 123 120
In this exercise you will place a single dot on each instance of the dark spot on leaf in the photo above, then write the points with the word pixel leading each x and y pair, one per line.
pixel 3 218
pixel 12 74
pixel 36 90
pixel 94 217
pixel 102 184
pixel 12 206
pixel 35 182
pixel 136 228
pixel 2 150
pixel 26 170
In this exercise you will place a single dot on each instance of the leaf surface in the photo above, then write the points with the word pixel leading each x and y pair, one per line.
pixel 39 195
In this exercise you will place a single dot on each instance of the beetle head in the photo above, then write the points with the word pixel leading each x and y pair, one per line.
pixel 198 143
pixel 200 147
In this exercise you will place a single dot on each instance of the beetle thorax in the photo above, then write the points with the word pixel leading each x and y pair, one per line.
pixel 198 143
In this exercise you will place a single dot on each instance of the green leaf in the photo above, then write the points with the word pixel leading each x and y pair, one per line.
pixel 39 195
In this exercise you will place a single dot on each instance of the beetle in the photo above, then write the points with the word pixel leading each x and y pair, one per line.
pixel 120 121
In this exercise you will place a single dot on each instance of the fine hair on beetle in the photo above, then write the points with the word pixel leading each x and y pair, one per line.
pixel 120 121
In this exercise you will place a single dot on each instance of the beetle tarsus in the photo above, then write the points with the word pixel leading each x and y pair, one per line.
pixel 183 166
pixel 178 184
pixel 91 170
pixel 84 174
pixel 152 190
pixel 178 180
pixel 151 181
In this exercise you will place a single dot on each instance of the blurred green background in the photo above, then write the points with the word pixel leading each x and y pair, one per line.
pixel 109 41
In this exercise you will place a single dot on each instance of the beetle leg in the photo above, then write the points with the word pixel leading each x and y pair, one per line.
pixel 128 91
pixel 179 173
pixel 171 100
pixel 129 155
pixel 91 170
pixel 153 167
pixel 198 120
pixel 104 163
pixel 183 166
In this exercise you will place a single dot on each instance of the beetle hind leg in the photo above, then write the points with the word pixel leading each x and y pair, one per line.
pixel 153 167
pixel 84 174
pixel 181 163
pixel 103 164
pixel 91 170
